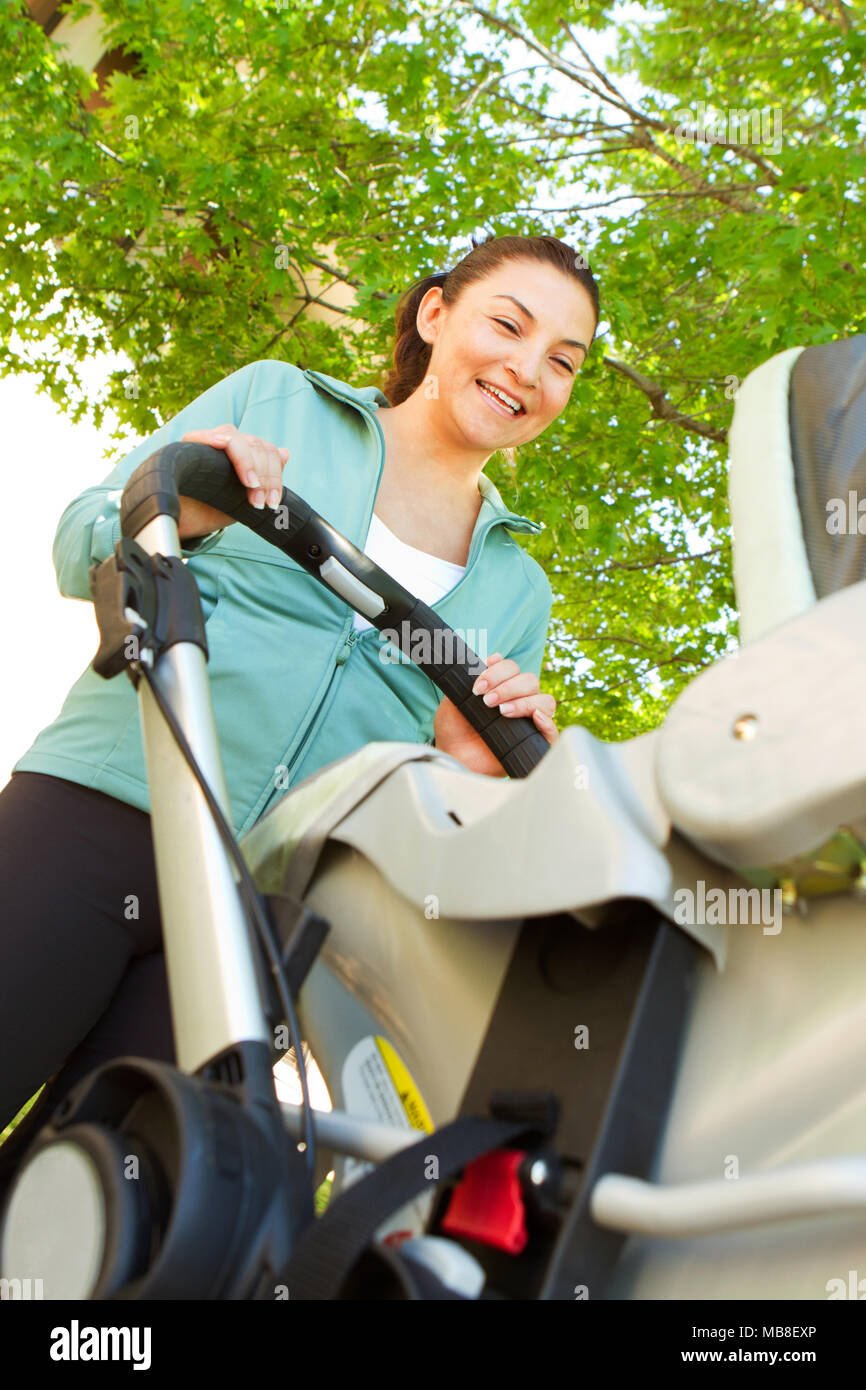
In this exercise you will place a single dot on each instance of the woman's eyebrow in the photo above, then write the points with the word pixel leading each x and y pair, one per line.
pixel 570 342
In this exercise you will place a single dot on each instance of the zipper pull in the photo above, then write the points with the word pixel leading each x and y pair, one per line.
pixel 345 650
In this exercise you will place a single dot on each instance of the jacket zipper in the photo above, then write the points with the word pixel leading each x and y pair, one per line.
pixel 340 660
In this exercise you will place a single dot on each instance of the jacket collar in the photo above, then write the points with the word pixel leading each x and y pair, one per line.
pixel 370 398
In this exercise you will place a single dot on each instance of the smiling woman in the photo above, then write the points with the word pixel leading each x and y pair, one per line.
pixel 534 290
pixel 485 358
pixel 500 338
pixel 294 687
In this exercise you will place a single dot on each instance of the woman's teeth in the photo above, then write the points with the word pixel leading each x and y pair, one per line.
pixel 497 401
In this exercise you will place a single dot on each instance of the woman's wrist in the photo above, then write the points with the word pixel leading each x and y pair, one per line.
pixel 197 519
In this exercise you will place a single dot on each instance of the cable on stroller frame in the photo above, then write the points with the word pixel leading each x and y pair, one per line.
pixel 253 903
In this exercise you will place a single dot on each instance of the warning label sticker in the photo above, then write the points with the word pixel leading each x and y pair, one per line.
pixel 377 1085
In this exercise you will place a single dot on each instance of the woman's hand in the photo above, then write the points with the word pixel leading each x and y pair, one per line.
pixel 258 464
pixel 504 682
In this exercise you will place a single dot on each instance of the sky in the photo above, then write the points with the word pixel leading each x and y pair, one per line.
pixel 50 640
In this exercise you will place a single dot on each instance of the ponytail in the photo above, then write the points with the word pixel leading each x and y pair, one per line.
pixel 411 354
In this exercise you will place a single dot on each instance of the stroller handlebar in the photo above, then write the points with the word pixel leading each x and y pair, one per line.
pixel 207 474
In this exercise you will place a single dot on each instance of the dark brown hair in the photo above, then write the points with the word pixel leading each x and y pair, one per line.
pixel 412 354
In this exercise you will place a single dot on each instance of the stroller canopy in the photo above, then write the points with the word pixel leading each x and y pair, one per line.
pixel 797 474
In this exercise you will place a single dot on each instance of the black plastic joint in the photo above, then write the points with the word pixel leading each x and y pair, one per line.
pixel 179 616
pixel 160 589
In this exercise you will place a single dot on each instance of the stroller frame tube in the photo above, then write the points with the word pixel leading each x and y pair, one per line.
pixel 215 1000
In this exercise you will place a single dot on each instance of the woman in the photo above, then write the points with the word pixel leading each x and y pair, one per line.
pixel 485 359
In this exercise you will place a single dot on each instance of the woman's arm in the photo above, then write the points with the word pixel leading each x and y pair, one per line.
pixel 258 464
pixel 513 685
pixel 516 693
pixel 89 527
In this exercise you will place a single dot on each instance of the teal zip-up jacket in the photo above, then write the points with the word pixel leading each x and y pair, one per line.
pixel 294 686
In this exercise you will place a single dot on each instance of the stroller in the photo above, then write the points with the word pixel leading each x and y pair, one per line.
pixel 588 1032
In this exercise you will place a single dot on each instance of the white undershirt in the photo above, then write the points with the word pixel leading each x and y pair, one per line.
pixel 426 576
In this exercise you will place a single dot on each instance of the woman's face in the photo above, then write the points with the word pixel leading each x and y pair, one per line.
pixel 532 351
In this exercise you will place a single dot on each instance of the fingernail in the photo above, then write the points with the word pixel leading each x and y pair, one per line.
pixel 253 479
pixel 274 497
pixel 258 500
pixel 491 697
pixel 507 707
pixel 480 686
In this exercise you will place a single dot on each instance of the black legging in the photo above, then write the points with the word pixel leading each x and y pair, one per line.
pixel 81 981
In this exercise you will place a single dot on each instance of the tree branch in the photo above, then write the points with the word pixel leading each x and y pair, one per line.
pixel 650 564
pixel 662 408
pixel 842 17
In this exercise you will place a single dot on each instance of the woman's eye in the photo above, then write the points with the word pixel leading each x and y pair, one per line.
pixel 560 360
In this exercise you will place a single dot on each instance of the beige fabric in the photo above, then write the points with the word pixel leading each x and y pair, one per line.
pixel 585 828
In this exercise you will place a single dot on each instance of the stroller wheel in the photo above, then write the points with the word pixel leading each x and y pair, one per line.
pixel 71 1219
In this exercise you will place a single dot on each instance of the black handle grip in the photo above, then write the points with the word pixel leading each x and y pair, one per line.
pixel 208 475
pixel 515 742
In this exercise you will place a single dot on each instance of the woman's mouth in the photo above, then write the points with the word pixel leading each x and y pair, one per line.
pixel 497 404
